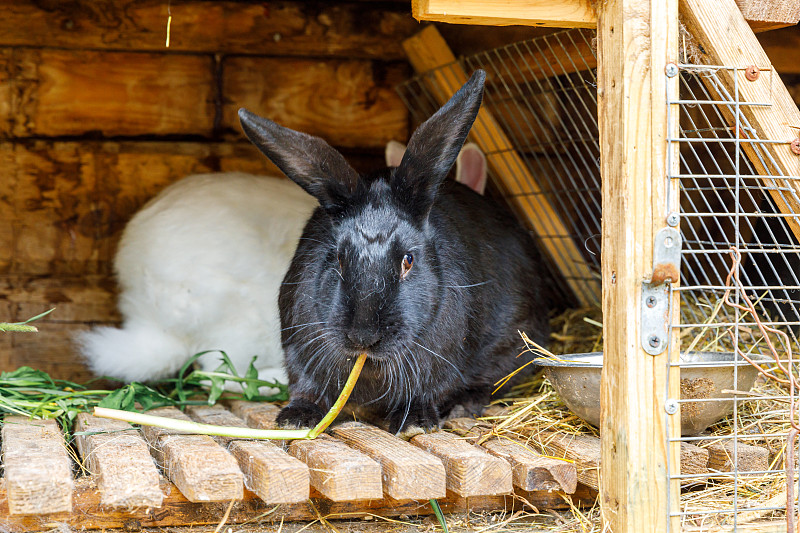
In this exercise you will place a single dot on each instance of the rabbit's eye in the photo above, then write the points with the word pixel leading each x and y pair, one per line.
pixel 408 262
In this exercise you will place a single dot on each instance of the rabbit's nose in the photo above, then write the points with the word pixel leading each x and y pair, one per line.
pixel 363 338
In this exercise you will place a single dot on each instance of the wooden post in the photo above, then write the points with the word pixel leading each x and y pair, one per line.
pixel 636 40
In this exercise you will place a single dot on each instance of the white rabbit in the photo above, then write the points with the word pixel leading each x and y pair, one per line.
pixel 470 164
pixel 199 268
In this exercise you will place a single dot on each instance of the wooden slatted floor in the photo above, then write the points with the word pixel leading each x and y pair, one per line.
pixel 154 477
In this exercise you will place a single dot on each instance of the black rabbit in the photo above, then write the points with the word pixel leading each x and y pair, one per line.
pixel 432 280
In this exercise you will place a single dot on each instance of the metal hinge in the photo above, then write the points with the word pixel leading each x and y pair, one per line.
pixel 655 292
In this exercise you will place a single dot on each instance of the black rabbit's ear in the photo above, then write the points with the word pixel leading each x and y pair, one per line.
pixel 433 148
pixel 307 160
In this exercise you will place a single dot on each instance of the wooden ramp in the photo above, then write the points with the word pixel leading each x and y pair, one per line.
pixel 157 478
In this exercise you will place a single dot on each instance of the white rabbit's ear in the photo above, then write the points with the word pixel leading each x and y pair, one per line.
pixel 394 153
pixel 471 167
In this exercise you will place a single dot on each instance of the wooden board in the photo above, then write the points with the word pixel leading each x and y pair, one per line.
pixel 199 467
pixel 408 472
pixel 339 472
pixel 562 14
pixel 761 14
pixel 349 29
pixel 347 103
pixel 56 93
pixel 118 457
pixel 60 92
pixel 747 458
pixel 37 467
pixel 428 53
pixel 269 472
pixel 636 40
pixel 532 471
pixel 178 511
pixel 256 414
pixel 471 471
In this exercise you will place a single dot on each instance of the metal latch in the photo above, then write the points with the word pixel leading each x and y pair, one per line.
pixel 655 292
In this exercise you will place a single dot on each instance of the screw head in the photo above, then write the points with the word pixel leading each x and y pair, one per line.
pixel 654 341
pixel 795 146
pixel 751 73
pixel 672 70
pixel 673 219
pixel 650 301
pixel 671 406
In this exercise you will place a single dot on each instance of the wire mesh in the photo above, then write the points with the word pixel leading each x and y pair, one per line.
pixel 739 294
pixel 740 245
pixel 542 95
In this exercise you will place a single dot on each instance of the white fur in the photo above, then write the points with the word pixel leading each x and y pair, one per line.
pixel 199 268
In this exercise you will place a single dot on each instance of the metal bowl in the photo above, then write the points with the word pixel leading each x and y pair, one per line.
pixel 704 375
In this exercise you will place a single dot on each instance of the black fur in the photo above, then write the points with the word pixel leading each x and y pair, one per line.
pixel 440 336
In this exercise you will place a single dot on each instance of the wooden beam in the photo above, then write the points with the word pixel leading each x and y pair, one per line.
pixel 762 15
pixel 727 40
pixel 289 28
pixel 561 14
pixel 117 455
pixel 37 467
pixel 176 511
pixel 636 40
pixel 429 53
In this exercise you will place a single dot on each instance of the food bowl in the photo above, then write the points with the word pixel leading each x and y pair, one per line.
pixel 704 377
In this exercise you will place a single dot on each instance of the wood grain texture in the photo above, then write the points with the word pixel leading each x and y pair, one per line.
pixel 533 471
pixel 471 471
pixel 636 40
pixel 727 40
pixel 562 14
pixel 428 53
pixel 178 511
pixel 762 15
pixel 271 473
pixel 118 456
pixel 37 467
pixel 408 472
pixel 199 467
pixel 347 103
pixel 259 415
pixel 338 472
pixel 344 29
pixel 582 450
pixel 74 92
pixel 746 458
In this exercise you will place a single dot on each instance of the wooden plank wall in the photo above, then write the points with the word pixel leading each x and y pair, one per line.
pixel 98 116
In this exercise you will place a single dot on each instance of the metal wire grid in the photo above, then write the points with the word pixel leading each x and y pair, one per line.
pixel 543 95
pixel 728 210
pixel 545 100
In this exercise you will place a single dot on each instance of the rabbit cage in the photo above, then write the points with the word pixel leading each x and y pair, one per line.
pixel 687 120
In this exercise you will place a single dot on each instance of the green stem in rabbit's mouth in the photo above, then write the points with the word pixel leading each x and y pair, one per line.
pixel 242 433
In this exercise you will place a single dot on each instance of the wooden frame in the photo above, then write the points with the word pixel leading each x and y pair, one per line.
pixel 636 40
pixel 762 15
